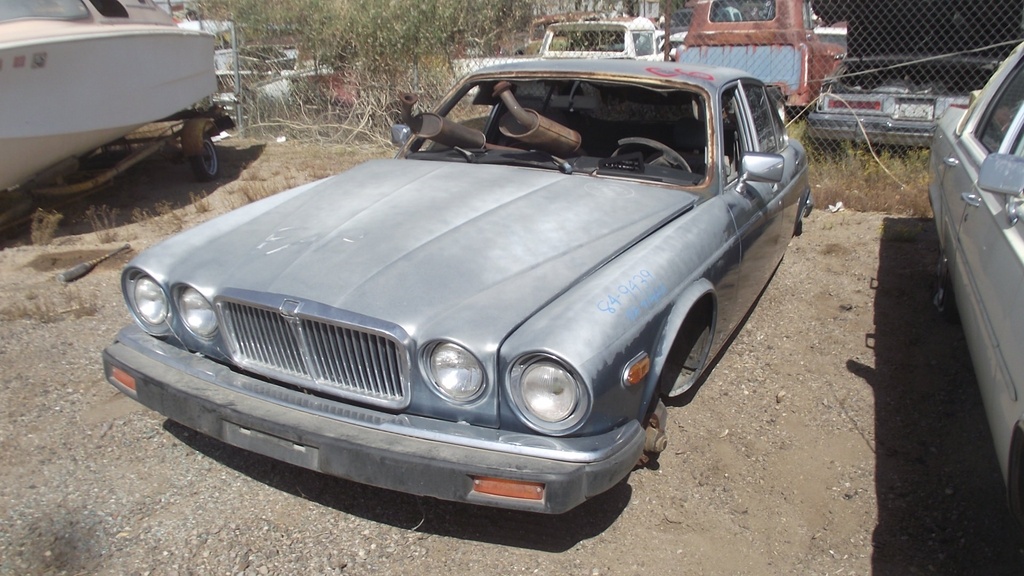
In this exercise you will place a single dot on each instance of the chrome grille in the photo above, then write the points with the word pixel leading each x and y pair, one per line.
pixel 354 359
pixel 331 357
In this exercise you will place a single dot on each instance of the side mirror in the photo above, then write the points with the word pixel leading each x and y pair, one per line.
pixel 1004 174
pixel 760 167
pixel 400 134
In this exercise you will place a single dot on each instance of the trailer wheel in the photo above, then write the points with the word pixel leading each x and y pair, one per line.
pixel 205 165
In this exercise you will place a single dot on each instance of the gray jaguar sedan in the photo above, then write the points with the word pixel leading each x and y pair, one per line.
pixel 977 197
pixel 494 315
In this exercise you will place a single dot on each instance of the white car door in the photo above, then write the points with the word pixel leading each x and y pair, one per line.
pixel 987 267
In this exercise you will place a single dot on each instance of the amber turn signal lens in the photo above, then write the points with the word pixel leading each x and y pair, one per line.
pixel 123 378
pixel 638 370
pixel 518 489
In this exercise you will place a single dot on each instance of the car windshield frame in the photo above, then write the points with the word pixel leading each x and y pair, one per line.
pixel 602 112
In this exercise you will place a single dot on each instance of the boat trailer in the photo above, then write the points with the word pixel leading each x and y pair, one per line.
pixel 185 136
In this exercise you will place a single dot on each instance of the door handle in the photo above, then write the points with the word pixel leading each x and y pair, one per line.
pixel 971 198
pixel 950 161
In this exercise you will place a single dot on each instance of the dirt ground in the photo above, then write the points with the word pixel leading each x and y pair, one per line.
pixel 841 432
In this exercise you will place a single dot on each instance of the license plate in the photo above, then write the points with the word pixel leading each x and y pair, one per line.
pixel 915 110
pixel 268 445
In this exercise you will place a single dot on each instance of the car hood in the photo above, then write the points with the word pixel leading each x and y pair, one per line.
pixel 422 244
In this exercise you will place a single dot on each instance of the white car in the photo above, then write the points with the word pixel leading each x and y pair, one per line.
pixel 631 39
pixel 977 171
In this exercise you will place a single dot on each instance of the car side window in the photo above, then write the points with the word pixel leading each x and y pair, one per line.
pixel 742 10
pixel 808 16
pixel 1001 112
pixel 765 118
pixel 732 134
pixel 644 43
pixel 1018 145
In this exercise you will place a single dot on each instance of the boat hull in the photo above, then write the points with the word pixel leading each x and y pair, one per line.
pixel 71 91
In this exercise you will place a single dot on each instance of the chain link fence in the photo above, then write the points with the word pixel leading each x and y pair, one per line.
pixel 851 72
pixel 906 63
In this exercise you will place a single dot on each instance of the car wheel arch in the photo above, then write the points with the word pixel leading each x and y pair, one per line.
pixel 684 348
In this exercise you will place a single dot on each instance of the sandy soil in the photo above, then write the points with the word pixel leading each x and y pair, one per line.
pixel 841 433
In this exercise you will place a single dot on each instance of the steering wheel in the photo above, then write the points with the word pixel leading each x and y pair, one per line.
pixel 661 154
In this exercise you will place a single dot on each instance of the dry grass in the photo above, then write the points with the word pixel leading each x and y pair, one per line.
pixel 901 231
pixel 171 218
pixel 44 226
pixel 49 306
pixel 888 181
pixel 201 202
pixel 103 220
pixel 167 219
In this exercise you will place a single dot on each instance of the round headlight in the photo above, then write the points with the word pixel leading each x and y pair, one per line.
pixel 456 372
pixel 549 392
pixel 197 313
pixel 150 302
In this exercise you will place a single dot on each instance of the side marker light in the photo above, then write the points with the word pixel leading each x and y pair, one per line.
pixel 518 489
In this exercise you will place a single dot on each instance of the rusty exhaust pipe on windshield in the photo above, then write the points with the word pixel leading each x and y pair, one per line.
pixel 530 127
pixel 441 130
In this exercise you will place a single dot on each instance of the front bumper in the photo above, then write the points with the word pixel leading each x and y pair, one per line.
pixel 398 452
pixel 877 130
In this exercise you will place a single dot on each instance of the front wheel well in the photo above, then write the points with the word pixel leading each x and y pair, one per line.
pixel 690 349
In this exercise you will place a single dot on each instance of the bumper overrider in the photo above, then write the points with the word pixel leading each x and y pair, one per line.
pixel 406 453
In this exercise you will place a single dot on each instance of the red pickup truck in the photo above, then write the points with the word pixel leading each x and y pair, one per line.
pixel 771 39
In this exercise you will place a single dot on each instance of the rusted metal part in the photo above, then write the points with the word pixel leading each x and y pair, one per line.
pixel 656 440
pixel 437 128
pixel 407 101
pixel 193 132
pixel 762 44
pixel 64 190
pixel 531 128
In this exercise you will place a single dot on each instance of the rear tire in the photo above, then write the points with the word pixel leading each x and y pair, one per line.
pixel 205 166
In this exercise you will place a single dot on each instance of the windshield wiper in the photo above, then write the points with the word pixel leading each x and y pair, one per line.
pixel 509 156
pixel 529 158
pixel 469 156
pixel 563 165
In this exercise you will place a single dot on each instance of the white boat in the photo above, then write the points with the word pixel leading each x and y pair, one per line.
pixel 78 74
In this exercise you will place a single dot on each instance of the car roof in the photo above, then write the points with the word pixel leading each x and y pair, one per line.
pixel 710 77
pixel 637 24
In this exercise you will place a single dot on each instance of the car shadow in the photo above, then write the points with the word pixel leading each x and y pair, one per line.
pixel 423 514
pixel 941 499
pixel 146 190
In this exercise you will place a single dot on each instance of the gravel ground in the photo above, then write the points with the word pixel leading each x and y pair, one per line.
pixel 840 433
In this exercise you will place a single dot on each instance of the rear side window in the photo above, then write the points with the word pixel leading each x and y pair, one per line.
pixel 1001 111
pixel 766 119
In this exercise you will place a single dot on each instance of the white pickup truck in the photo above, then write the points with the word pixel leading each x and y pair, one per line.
pixel 622 38
pixel 629 38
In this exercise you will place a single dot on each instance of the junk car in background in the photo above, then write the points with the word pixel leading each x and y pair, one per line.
pixel 902 72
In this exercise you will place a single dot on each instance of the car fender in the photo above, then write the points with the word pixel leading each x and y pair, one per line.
pixel 680 311
pixel 582 328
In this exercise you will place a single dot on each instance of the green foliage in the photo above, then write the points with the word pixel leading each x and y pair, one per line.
pixel 386 36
